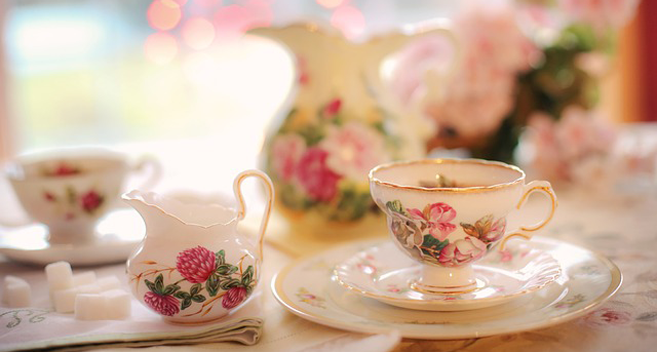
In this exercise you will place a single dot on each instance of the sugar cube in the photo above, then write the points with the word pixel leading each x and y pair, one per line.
pixel 19 294
pixel 90 288
pixel 9 279
pixel 118 304
pixel 85 278
pixel 108 283
pixel 59 275
pixel 65 300
pixel 90 306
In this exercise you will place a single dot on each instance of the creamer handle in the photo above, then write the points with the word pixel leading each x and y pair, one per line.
pixel 526 231
pixel 241 210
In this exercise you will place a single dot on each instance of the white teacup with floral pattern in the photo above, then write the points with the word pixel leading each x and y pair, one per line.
pixel 70 189
pixel 448 213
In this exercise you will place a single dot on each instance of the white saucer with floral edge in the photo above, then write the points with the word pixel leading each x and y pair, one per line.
pixel 384 273
pixel 309 289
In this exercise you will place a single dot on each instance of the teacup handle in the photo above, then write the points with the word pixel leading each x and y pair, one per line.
pixel 526 231
pixel 154 166
pixel 241 211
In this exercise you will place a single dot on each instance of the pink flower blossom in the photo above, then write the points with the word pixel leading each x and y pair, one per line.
pixel 600 14
pixel 437 217
pixel 233 297
pixel 165 305
pixel 462 251
pixel 316 178
pixel 576 148
pixel 332 108
pixel 473 100
pixel 91 201
pixel 353 149
pixel 286 150
pixel 196 264
pixel 606 317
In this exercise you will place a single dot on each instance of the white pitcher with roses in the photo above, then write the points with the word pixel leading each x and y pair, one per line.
pixel 194 265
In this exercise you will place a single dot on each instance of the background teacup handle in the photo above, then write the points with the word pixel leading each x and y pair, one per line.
pixel 155 167
pixel 241 211
pixel 526 231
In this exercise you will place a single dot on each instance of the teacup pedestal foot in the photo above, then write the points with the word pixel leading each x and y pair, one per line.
pixel 74 234
pixel 445 281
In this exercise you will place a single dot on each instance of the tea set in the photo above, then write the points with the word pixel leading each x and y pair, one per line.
pixel 448 263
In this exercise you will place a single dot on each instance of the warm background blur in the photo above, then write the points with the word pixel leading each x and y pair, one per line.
pixel 118 71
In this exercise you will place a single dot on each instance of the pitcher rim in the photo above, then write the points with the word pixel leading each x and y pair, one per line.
pixel 131 196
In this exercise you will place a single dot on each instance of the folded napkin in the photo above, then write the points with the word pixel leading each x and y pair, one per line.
pixel 40 328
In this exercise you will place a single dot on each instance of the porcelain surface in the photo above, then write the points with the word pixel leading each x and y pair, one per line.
pixel 384 273
pixel 309 289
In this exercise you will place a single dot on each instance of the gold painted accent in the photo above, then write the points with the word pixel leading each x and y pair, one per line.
pixel 553 202
pixel 283 299
pixel 269 186
pixel 519 180
pixel 440 290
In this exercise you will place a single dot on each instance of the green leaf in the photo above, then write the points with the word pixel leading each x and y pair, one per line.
pixel 247 277
pixel 212 285
pixel 221 257
pixel 159 283
pixel 150 285
pixel 396 206
pixel 226 269
pixel 433 243
pixel 181 295
pixel 170 289
pixel 185 303
pixel 198 298
pixel 230 283
pixel 196 288
pixel 648 316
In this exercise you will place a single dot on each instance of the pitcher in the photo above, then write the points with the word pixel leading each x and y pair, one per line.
pixel 342 122
pixel 193 265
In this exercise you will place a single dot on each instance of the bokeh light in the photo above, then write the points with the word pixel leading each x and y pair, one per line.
pixel 233 19
pixel 164 14
pixel 330 4
pixel 207 3
pixel 198 33
pixel 160 48
pixel 349 20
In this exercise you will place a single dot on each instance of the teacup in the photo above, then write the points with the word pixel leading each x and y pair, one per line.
pixel 69 190
pixel 448 213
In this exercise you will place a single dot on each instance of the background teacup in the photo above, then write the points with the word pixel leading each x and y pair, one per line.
pixel 448 213
pixel 69 190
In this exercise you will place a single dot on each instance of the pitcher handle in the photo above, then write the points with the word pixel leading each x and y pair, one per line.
pixel 526 231
pixel 155 171
pixel 241 211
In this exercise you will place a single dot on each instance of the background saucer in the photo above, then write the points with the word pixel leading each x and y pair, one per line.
pixel 383 272
pixel 117 236
pixel 308 289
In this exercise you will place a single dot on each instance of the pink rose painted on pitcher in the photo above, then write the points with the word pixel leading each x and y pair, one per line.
pixel 196 264
pixel 316 178
pixel 163 304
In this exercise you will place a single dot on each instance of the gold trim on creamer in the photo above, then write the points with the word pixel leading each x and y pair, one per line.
pixel 283 299
pixel 489 188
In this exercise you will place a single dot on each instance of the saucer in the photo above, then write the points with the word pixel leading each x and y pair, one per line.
pixel 117 235
pixel 309 289
pixel 384 273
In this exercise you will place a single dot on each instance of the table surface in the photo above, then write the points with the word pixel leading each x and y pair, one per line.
pixel 622 227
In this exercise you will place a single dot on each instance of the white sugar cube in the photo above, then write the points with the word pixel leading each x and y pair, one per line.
pixel 85 278
pixel 9 279
pixel 59 275
pixel 108 283
pixel 65 300
pixel 90 306
pixel 90 288
pixel 19 294
pixel 118 304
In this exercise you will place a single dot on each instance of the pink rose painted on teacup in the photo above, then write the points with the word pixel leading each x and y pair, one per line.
pixel 462 251
pixel 437 217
